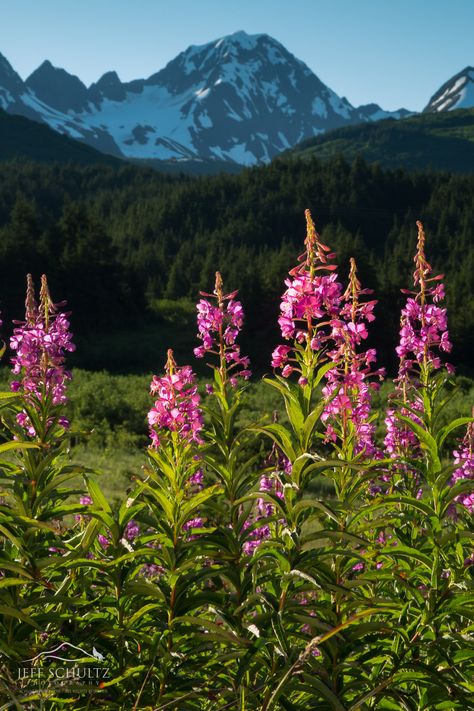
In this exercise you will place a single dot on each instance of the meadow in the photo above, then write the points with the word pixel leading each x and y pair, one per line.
pixel 301 540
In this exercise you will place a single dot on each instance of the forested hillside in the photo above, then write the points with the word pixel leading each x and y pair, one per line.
pixel 435 141
pixel 123 245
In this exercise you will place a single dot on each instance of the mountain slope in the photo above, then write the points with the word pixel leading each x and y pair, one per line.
pixel 456 93
pixel 443 141
pixel 22 138
pixel 243 98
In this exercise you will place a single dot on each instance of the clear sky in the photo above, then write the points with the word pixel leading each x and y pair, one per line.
pixel 392 52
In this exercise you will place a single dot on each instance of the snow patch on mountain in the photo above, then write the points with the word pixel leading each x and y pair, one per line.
pixel 456 93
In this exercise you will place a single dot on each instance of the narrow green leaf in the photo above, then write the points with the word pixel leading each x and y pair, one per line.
pixel 445 431
pixel 97 496
pixel 7 446
pixel 427 442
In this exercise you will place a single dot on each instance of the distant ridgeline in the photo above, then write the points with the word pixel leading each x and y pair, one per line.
pixel 130 248
pixel 437 141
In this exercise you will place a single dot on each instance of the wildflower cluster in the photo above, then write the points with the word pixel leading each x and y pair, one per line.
pixel 310 302
pixel 348 389
pixel 234 572
pixel 40 344
pixel 219 325
pixel 423 334
pixel 176 408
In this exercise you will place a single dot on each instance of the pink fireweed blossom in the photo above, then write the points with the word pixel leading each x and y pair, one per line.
pixel 219 325
pixel 423 335
pixel 40 344
pixel 464 459
pixel 278 467
pixel 310 302
pixel 176 409
pixel 348 389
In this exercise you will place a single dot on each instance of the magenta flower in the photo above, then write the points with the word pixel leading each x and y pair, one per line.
pixel 176 408
pixel 464 459
pixel 310 302
pixel 219 325
pixel 348 389
pixel 132 530
pixel 40 344
pixel 278 466
pixel 423 335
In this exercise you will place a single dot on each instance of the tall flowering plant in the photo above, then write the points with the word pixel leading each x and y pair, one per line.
pixel 429 548
pixel 39 345
pixel 308 305
pixel 35 501
pixel 349 384
pixel 421 373
pixel 176 500
pixel 220 318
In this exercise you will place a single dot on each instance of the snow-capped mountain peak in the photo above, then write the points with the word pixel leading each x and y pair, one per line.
pixel 57 88
pixel 456 93
pixel 242 98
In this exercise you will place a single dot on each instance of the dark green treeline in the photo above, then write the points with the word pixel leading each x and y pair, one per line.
pixel 122 244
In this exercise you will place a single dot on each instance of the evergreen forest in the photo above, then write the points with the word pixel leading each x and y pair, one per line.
pixel 130 248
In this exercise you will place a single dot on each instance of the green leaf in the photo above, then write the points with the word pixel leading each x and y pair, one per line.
pixel 319 686
pixel 97 496
pixel 280 435
pixel 410 554
pixel 141 612
pixel 14 612
pixel 11 537
pixel 143 588
pixel 410 502
pixel 131 671
pixel 7 446
pixel 219 630
pixel 311 504
pixel 7 582
pixel 310 424
pixel 427 442
pixel 445 431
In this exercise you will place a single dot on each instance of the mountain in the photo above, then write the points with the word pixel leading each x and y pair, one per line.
pixel 58 89
pixel 456 93
pixel 242 99
pixel 442 141
pixel 23 138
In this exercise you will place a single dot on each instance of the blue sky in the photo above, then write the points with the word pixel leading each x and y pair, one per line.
pixel 393 52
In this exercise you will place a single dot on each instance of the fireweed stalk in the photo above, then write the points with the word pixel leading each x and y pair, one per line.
pixel 310 302
pixel 348 389
pixel 220 318
pixel 40 344
pixel 423 334
pixel 226 457
pixel 175 423
pixel 174 493
pixel 219 325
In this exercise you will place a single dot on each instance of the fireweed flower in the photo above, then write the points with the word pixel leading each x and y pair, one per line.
pixel 423 335
pixel 278 467
pixel 348 389
pixel 40 343
pixel 464 459
pixel 219 325
pixel 311 300
pixel 176 409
